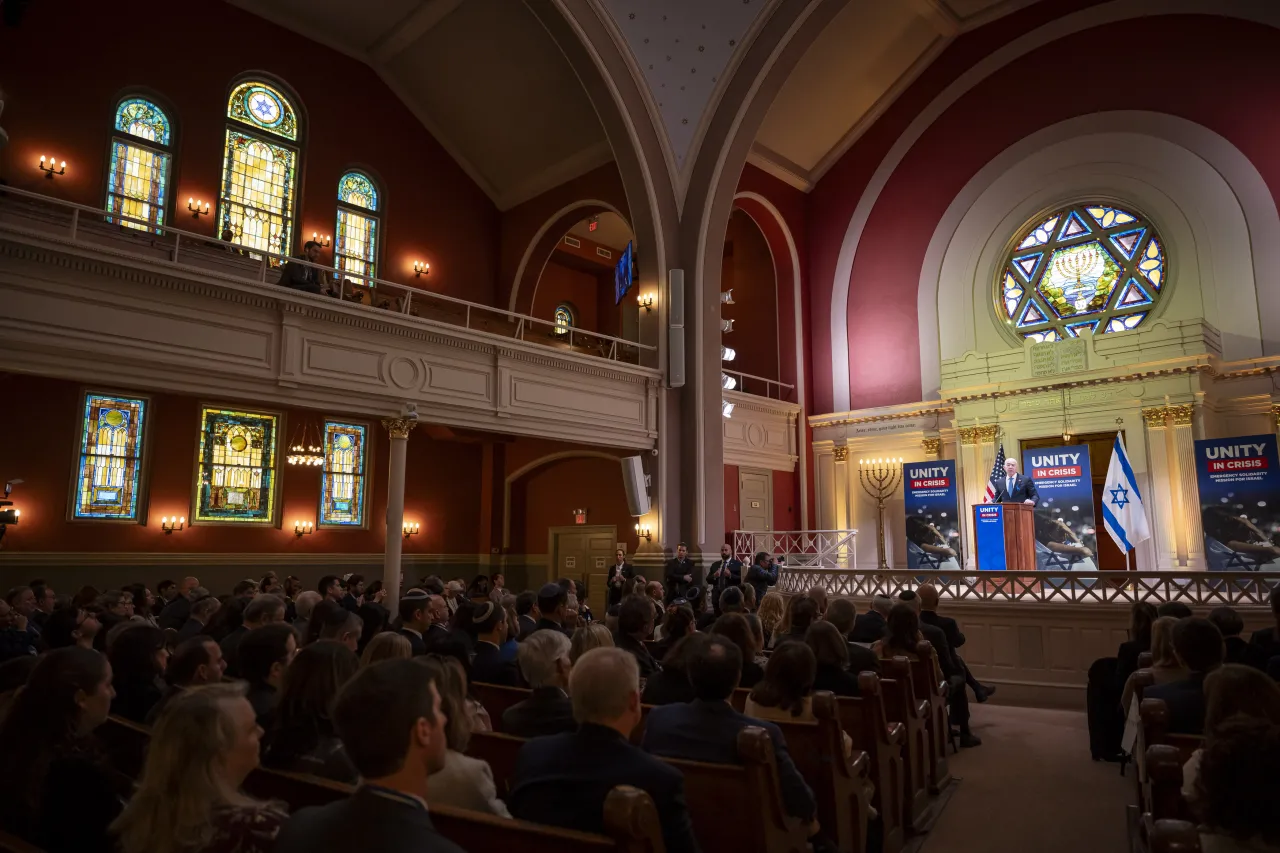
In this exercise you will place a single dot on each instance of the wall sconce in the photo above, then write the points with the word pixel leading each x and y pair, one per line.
pixel 303 528
pixel 726 326
pixel 171 523
pixel 645 302
pixel 52 168
pixel 322 240
pixel 642 532
pixel 726 297
pixel 420 268
pixel 411 528
pixel 197 208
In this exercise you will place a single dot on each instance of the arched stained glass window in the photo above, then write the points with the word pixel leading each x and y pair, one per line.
pixel 138 176
pixel 108 482
pixel 564 318
pixel 342 485
pixel 259 169
pixel 236 481
pixel 1086 268
pixel 356 249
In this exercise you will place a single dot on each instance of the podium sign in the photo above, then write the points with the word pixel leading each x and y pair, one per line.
pixel 988 529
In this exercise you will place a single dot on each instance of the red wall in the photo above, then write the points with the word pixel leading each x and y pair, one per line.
pixel 1215 71
pixel 547 496
pixel 433 211
pixel 732 514
pixel 564 284
pixel 749 270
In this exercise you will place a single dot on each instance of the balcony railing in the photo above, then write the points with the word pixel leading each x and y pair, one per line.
pixel 799 548
pixel 761 386
pixel 36 215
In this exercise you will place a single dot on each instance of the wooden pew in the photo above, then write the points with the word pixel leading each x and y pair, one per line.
pixel 863 717
pixel 1163 791
pixel 1174 836
pixel 1154 731
pixel 125 743
pixel 739 807
pixel 497 698
pixel 1145 660
pixel 929 685
pixel 901 706
pixel 500 751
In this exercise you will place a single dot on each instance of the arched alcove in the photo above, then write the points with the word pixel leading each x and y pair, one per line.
pixel 579 270
pixel 545 492
pixel 749 270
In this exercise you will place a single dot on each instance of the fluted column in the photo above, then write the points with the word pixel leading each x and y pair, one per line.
pixel 1165 500
pixel 842 507
pixel 973 477
pixel 398 429
pixel 1185 432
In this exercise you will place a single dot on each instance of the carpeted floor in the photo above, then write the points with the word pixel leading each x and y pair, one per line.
pixel 1032 788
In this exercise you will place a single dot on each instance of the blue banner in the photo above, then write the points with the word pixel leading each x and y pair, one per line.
pixel 1239 482
pixel 1066 538
pixel 933 521
pixel 988 536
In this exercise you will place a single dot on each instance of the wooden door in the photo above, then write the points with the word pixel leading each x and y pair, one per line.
pixel 755 499
pixel 579 552
pixel 1109 556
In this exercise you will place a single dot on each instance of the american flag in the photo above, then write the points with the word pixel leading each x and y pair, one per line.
pixel 997 471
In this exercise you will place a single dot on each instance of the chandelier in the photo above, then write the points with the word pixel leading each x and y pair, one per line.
pixel 303 451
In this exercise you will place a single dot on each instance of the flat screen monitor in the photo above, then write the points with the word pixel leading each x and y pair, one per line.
pixel 624 274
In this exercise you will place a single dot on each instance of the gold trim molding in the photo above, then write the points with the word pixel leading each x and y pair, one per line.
pixel 399 427
pixel 932 446
pixel 840 451
pixel 1161 417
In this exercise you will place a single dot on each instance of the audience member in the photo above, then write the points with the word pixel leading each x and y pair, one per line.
pixel 1264 644
pixel 14 674
pixel 340 626
pixel 462 630
pixel 1164 662
pixel 263 610
pixel 588 637
pixel 678 625
pixel 194 662
pixel 71 626
pixel 22 599
pixel 45 601
pixel 188 798
pixel 706 729
pixel 490 625
pixel 870 627
pixel 657 603
pixel 552 604
pixel 330 588
pixel 1232 691
pixel 1198 646
pixel 265 656
pixel 390 719
pixel 143 603
pixel 749 602
pixel 139 657
pixel 1176 609
pixel 619 573
pixel 544 663
pixel 831 651
pixel 56 790
pixel 844 615
pixel 175 613
pixel 635 624
pixel 227 618
pixel 497 587
pixel 389 645
pixel 18 636
pixel 247 589
pixel 802 612
pixel 302 737
pixel 1142 616
pixel 1238 788
pixel 463 782
pixel 728 601
pixel 166 591
pixel 671 683
pixel 525 602
pixel 303 604
pixel 737 629
pixel 353 595
pixel 1231 626
pixel 564 780
pixel 87 596
pixel 200 614
pixel 375 619
pixel 772 608
pixel 955 638
pixel 415 620
pixel 437 620
pixel 300 276
pixel 818 595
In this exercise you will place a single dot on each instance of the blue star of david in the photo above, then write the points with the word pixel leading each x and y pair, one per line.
pixel 1119 497
pixel 263 107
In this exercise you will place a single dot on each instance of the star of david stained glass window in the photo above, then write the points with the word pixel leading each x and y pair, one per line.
pixel 1088 267
pixel 259 169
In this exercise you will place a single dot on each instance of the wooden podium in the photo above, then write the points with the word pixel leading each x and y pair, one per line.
pixel 1017 549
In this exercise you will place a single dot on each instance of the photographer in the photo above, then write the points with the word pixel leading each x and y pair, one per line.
pixel 763 574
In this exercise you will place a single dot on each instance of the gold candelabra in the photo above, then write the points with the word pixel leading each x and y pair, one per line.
pixel 1075 266
pixel 880 478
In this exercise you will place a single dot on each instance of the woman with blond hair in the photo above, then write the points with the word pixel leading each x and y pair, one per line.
pixel 188 799
pixel 590 636
pixel 1165 665
pixel 386 646
pixel 772 615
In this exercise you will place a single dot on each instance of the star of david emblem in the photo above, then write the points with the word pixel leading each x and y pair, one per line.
pixel 1119 497
pixel 263 107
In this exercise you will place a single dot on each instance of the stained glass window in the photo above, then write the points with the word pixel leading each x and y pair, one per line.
pixel 342 485
pixel 563 318
pixel 259 170
pixel 356 250
pixel 237 467
pixel 110 458
pixel 138 174
pixel 1087 268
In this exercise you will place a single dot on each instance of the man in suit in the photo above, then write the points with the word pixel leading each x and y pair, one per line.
pixel 262 610
pixel 393 729
pixel 305 278
pixel 1264 644
pixel 544 663
pixel 437 620
pixel 330 587
pixel 952 669
pixel 842 613
pixel 553 605
pixel 1198 644
pixel 1013 487
pixel 762 575
pixel 955 639
pixel 265 655
pixel 176 612
pixel 302 607
pixel 563 780
pixel 635 624
pixel 706 729
pixel 490 623
pixel 525 602
pixel 619 573
pixel 870 626
pixel 194 662
pixel 200 614
pixel 726 572
pixel 355 589
pixel 679 573
pixel 415 620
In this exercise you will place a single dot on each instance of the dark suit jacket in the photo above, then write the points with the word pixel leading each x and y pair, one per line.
pixel 563 780
pixel 862 659
pixel 190 628
pixel 416 643
pixel 364 821
pixel 1185 699
pixel 667 687
pixel 615 591
pixel 231 650
pixel 489 667
pixel 527 626
pixel 839 681
pixel 955 639
pixel 349 603
pixel 301 277
pixel 708 731
pixel 761 578
pixel 262 697
pixel 435 634
pixel 134 698
pixel 937 639
pixel 1127 659
pixel 547 711
pixel 1237 650
pixel 175 613
pixel 1024 488
pixel 868 627
pixel 676 584
pixel 1263 646
pixel 545 624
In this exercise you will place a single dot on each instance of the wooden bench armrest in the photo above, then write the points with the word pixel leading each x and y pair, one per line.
pixel 631 819
pixel 896 733
pixel 1174 836
pixel 860 765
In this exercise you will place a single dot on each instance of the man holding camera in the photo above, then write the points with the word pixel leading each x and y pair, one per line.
pixel 763 574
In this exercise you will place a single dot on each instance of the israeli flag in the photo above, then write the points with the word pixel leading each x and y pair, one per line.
pixel 1122 512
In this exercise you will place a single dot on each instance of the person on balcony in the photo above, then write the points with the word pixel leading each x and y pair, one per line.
pixel 302 277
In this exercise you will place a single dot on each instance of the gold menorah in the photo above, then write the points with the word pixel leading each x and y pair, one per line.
pixel 880 479
pixel 1076 264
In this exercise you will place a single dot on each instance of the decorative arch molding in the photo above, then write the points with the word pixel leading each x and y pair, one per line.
pixel 1217 216
pixel 544 241
pixel 1257 11
pixel 541 462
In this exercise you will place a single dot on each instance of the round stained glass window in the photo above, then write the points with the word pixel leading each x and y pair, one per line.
pixel 263 106
pixel 1085 268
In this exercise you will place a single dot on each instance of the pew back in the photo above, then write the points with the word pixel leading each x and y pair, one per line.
pixel 497 698
pixel 863 718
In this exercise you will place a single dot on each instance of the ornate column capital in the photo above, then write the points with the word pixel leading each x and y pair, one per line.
pixel 1181 415
pixel 968 436
pixel 399 427
pixel 1275 416
pixel 840 451
pixel 932 447
pixel 987 433
pixel 1155 418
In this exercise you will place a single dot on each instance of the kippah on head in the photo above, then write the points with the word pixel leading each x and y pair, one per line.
pixel 549 590
pixel 483 612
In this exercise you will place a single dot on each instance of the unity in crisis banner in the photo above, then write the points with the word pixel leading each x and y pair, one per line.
pixel 1065 533
pixel 1239 481
pixel 933 519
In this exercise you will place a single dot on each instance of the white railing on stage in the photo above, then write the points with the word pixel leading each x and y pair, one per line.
pixel 807 548
pixel 1206 589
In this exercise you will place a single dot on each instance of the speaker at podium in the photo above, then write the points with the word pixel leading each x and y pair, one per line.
pixel 1005 537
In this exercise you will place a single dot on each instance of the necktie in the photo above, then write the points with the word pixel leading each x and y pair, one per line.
pixel 1009 489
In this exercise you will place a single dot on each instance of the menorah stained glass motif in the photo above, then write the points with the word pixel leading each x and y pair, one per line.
pixel 356 233
pixel 1090 268
pixel 237 467
pixel 259 173
pixel 110 458
pixel 139 170
pixel 342 484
